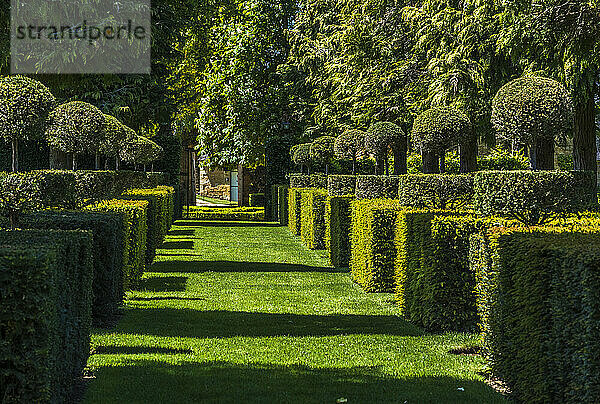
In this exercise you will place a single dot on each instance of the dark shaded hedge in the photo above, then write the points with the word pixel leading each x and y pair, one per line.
pixel 338 226
pixel 282 198
pixel 435 191
pixel 256 200
pixel 539 300
pixel 45 315
pixel 312 218
pixel 340 185
pixel 308 181
pixel 377 186
pixel 534 197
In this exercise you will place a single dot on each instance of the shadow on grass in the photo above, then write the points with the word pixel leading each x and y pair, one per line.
pixel 157 382
pixel 186 266
pixel 163 284
pixel 190 323
pixel 177 245
pixel 208 223
pixel 136 350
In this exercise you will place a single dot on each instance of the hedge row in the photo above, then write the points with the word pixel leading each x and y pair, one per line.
pixel 436 191
pixel 338 226
pixel 312 217
pixel 539 300
pixel 377 186
pixel 240 214
pixel 45 315
pixel 257 200
pixel 294 210
pixel 308 181
pixel 340 185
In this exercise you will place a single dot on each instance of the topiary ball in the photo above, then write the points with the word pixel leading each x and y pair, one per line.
pixel 531 108
pixel 301 154
pixel 348 144
pixel 115 138
pixel 438 129
pixel 24 108
pixel 384 135
pixel 321 149
pixel 76 127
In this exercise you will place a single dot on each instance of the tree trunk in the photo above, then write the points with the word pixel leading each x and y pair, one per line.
pixel 15 155
pixel 74 161
pixel 400 162
pixel 354 165
pixel 152 167
pixel 584 135
pixel 443 162
pixel 468 156
pixel 97 161
pixel 542 155
pixel 13 217
pixel 431 163
pixel 380 166
pixel 116 163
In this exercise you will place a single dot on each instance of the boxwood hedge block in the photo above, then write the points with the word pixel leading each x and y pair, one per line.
pixel 372 240
pixel 435 191
pixel 308 181
pixel 340 185
pixel 534 197
pixel 282 191
pixel 377 186
pixel 312 218
pixel 245 214
pixel 338 226
pixel 539 299
pixel 45 315
pixel 294 210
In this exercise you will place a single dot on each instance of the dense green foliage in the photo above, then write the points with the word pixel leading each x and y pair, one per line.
pixel 45 316
pixel 237 214
pixel 534 197
pixel 301 154
pixel 338 227
pixel 438 129
pixel 339 185
pixel 312 217
pixel 376 186
pixel 308 181
pixel 538 300
pixel 349 144
pixel 282 197
pixel 257 200
pixel 436 191
pixel 383 137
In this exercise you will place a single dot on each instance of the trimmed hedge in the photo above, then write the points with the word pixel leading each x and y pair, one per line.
pixel 109 238
pixel 257 200
pixel 312 218
pixel 136 231
pixel 294 210
pixel 339 185
pixel 539 299
pixel 45 315
pixel 241 214
pixel 308 180
pixel 373 249
pixel 377 186
pixel 534 197
pixel 282 192
pixel 435 191
pixel 338 226
pixel 160 214
pixel 274 205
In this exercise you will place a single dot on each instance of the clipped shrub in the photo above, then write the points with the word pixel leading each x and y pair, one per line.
pixel 256 200
pixel 250 214
pixel 338 226
pixel 283 191
pixel 57 189
pixel 160 214
pixel 539 300
pixel 24 107
pixel 534 197
pixel 348 145
pixel 17 195
pixel 109 232
pixel 503 160
pixel 294 212
pixel 115 138
pixel 45 315
pixel 339 185
pixel 376 186
pixel 301 154
pixel 372 240
pixel 312 218
pixel 321 151
pixel 134 252
pixel 435 191
pixel 383 136
pixel 308 181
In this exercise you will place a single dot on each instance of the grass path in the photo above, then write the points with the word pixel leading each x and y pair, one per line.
pixel 244 313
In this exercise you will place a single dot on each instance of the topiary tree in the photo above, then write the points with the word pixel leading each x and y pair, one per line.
pixel 24 108
pixel 301 156
pixel 348 145
pixel 115 139
pixel 437 130
pixel 321 151
pixel 77 127
pixel 380 138
pixel 18 193
pixel 140 150
pixel 533 112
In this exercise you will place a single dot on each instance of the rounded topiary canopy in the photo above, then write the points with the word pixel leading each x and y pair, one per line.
pixel 531 108
pixel 116 137
pixel 301 154
pixel 348 144
pixel 384 135
pixel 440 128
pixel 321 149
pixel 76 127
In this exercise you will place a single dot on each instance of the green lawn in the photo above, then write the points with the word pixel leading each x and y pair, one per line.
pixel 244 313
